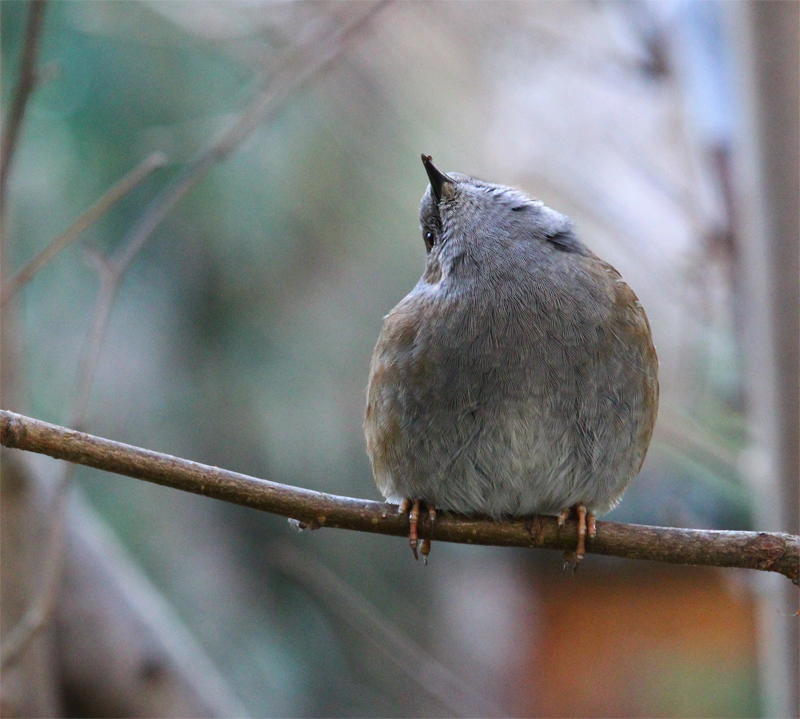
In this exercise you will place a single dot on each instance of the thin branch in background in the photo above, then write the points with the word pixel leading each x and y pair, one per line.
pixel 25 86
pixel 26 83
pixel 107 589
pixel 110 279
pixel 348 606
pixel 110 198
pixel 41 607
pixel 764 551
pixel 301 67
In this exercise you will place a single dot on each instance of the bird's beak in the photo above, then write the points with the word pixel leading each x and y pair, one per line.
pixel 436 176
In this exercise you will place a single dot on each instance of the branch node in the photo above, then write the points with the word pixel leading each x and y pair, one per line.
pixel 533 525
pixel 13 432
pixel 766 549
pixel 299 525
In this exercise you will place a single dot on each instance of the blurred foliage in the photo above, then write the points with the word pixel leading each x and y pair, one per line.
pixel 241 336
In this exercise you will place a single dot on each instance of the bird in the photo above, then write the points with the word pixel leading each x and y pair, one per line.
pixel 518 378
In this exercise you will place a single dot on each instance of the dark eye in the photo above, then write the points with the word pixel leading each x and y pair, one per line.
pixel 428 237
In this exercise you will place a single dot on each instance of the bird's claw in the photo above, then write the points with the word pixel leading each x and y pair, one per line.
pixel 412 508
pixel 587 527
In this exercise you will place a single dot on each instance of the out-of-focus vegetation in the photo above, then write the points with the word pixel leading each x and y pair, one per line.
pixel 242 334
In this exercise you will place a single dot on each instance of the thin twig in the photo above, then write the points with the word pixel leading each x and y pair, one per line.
pixel 766 551
pixel 25 86
pixel 41 607
pixel 302 65
pixel 110 198
pixel 26 83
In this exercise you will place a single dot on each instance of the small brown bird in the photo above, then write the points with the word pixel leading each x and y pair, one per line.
pixel 518 377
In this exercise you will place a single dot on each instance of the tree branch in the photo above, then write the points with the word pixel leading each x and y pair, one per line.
pixel 766 551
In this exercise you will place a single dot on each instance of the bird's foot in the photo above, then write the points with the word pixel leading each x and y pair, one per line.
pixel 412 508
pixel 587 526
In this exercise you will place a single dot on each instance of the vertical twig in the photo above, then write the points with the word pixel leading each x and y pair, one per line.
pixel 25 86
pixel 26 82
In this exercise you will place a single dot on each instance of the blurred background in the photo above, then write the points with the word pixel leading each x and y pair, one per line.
pixel 240 336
